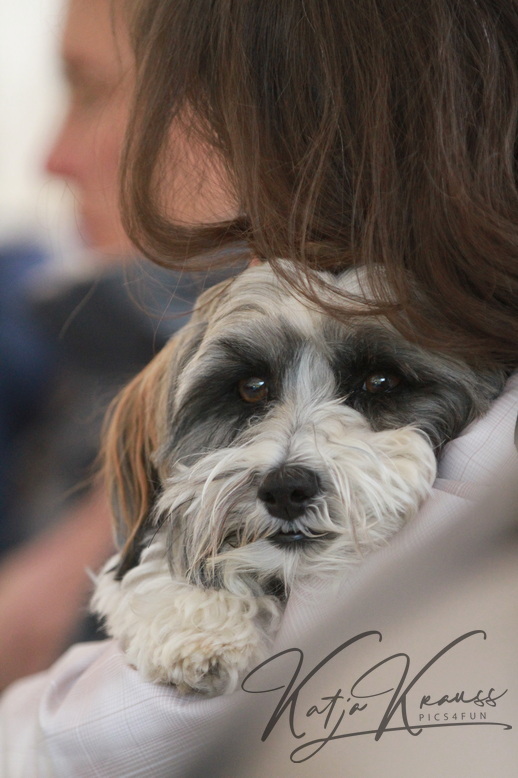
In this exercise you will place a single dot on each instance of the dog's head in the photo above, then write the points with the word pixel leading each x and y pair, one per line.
pixel 267 439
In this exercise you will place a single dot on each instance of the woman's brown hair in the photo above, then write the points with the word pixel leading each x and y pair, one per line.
pixel 375 132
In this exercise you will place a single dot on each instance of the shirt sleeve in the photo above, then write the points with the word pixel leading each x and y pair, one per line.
pixel 92 715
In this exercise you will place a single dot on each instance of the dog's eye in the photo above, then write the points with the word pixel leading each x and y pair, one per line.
pixel 381 382
pixel 253 390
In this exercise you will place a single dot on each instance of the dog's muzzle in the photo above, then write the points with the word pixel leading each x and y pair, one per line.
pixel 287 492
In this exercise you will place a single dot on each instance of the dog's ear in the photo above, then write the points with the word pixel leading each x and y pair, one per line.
pixel 131 435
pixel 136 426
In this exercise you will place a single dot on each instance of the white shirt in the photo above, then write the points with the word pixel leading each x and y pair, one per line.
pixel 92 715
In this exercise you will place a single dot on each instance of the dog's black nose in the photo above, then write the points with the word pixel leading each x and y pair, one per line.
pixel 287 491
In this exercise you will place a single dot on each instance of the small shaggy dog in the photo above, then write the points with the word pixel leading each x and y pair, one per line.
pixel 265 443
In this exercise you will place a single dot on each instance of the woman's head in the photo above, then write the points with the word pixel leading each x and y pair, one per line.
pixel 98 69
pixel 338 132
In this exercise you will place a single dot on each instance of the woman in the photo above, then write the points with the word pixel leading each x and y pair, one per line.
pixel 334 133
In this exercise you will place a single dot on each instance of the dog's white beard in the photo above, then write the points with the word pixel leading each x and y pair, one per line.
pixel 195 612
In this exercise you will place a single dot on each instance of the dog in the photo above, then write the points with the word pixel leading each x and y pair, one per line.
pixel 265 443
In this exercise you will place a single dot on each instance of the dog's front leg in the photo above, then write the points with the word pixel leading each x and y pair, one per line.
pixel 173 632
pixel 213 638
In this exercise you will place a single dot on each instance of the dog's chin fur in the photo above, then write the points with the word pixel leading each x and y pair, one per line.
pixel 197 593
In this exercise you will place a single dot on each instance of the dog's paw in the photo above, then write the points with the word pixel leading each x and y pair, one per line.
pixel 202 640
pixel 213 665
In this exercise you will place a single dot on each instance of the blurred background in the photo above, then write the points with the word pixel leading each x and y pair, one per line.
pixel 33 102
